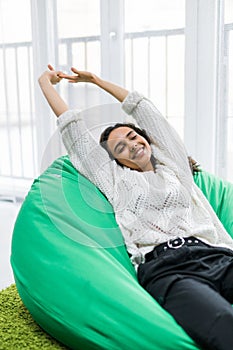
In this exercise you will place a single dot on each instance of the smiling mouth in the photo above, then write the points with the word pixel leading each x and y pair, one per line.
pixel 138 153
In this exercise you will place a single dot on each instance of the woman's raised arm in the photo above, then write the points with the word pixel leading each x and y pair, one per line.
pixel 46 81
pixel 82 76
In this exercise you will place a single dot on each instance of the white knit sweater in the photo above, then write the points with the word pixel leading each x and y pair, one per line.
pixel 150 207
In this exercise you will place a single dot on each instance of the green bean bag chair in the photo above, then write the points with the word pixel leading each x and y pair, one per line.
pixel 220 195
pixel 73 273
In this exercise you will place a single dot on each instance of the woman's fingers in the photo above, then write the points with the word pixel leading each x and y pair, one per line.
pixel 74 70
pixel 78 77
pixel 63 75
pixel 50 67
pixel 70 78
pixel 66 76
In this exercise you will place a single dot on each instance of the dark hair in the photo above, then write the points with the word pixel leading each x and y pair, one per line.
pixel 105 135
pixel 195 167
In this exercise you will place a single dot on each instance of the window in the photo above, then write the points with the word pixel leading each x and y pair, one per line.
pixel 229 86
pixel 79 45
pixel 154 54
pixel 228 11
pixel 78 18
pixel 17 126
pixel 154 15
pixel 143 43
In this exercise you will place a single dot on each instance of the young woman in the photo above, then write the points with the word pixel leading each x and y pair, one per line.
pixel 182 253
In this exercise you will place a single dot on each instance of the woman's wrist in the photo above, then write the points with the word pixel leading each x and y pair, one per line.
pixel 96 80
pixel 44 79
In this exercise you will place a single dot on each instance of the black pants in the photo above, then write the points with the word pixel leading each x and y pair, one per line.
pixel 195 285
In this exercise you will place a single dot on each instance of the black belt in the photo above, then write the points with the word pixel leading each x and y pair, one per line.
pixel 175 243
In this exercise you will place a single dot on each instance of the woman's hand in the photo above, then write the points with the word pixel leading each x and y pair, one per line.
pixel 51 75
pixel 79 77
pixel 46 81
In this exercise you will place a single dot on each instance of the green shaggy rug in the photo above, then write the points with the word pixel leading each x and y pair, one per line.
pixel 18 331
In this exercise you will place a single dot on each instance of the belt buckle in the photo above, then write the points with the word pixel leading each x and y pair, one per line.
pixel 176 243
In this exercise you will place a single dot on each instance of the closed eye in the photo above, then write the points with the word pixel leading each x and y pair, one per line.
pixel 121 146
pixel 120 149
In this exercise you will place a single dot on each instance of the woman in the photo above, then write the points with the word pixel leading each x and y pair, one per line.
pixel 182 253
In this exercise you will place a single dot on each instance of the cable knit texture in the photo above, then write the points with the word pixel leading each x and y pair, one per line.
pixel 150 207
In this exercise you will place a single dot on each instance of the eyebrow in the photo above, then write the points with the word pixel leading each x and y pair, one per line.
pixel 120 143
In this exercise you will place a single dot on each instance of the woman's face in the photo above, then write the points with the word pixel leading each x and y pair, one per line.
pixel 130 149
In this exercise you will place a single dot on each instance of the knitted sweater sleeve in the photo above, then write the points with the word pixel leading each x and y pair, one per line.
pixel 169 148
pixel 92 161
pixel 86 155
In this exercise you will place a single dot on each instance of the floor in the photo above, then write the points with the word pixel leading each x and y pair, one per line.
pixel 8 214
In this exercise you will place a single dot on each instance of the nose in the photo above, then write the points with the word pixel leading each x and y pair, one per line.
pixel 133 147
